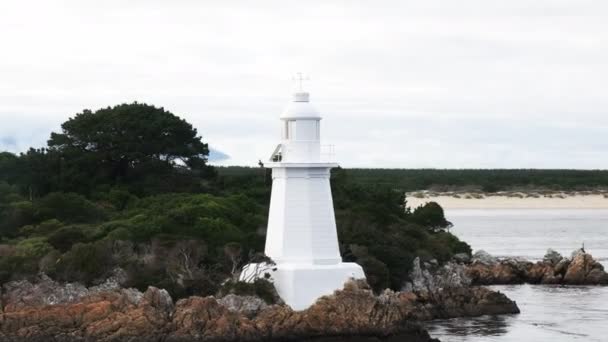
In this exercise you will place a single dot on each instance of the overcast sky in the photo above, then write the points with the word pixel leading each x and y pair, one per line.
pixel 404 84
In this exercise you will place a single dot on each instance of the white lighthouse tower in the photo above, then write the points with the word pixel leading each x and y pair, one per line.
pixel 301 236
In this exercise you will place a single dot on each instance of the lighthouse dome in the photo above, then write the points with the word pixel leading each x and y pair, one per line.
pixel 300 108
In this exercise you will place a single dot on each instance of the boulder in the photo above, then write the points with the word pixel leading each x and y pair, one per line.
pixel 499 273
pixel 483 257
pixel 432 278
pixel 562 266
pixel 45 291
pixel 22 293
pixel 247 305
pixel 597 276
pixel 584 270
pixel 462 258
pixel 552 257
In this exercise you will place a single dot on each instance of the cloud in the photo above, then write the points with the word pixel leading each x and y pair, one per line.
pixel 474 83
pixel 8 141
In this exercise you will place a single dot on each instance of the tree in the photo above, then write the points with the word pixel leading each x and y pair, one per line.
pixel 8 167
pixel 431 216
pixel 127 143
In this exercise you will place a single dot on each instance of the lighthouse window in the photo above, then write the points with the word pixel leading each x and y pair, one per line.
pixel 290 129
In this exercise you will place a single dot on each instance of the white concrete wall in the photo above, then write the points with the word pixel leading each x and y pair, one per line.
pixel 301 221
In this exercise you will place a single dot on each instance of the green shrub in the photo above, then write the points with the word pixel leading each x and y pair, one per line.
pixel 431 216
pixel 120 234
pixel 15 215
pixel 33 247
pixel 376 273
pixel 17 267
pixel 64 238
pixel 120 199
pixel 68 207
pixel 85 262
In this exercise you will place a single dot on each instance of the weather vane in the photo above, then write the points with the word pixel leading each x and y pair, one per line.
pixel 300 78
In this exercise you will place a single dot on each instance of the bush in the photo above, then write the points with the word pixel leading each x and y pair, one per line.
pixel 68 207
pixel 431 216
pixel 17 267
pixel 376 273
pixel 64 238
pixel 85 262
pixel 33 248
pixel 16 214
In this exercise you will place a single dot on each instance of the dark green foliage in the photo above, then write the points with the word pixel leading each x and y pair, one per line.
pixel 376 272
pixel 377 232
pixel 141 147
pixel 431 216
pixel 64 238
pixel 483 179
pixel 68 207
pixel 9 168
pixel 15 267
pixel 84 262
pixel 129 187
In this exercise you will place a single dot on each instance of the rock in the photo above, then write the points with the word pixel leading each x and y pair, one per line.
pixel 552 257
pixel 576 253
pixel 597 276
pixel 483 257
pixel 506 272
pixel 550 278
pixel 247 305
pixel 353 314
pixel 462 258
pixel 562 266
pixel 158 299
pixel 22 293
pixel 421 279
pixel 473 302
pixel 45 291
pixel 537 272
pixel 554 269
pixel 583 270
pixel 433 278
pixel 452 275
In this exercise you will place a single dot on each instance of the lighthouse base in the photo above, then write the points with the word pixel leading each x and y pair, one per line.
pixel 300 285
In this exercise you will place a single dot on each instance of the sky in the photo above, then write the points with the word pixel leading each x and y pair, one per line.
pixel 400 84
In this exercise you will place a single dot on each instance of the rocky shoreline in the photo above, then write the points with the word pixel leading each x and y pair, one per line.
pixel 578 269
pixel 44 310
pixel 49 311
pixel 483 269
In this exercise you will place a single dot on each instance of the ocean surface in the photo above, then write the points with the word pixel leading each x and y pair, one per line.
pixel 548 313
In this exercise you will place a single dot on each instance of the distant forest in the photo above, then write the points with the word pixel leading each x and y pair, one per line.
pixel 487 180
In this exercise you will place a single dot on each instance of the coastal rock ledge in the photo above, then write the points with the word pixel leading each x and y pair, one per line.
pixel 35 312
pixel 579 269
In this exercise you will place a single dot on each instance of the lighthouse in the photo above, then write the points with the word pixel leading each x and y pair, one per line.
pixel 301 237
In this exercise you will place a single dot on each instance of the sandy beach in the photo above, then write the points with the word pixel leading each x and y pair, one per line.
pixel 485 201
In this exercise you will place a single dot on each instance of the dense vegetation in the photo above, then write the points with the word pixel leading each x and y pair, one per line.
pixel 126 191
pixel 487 180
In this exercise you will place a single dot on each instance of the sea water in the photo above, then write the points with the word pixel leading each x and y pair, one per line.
pixel 548 313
